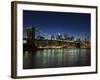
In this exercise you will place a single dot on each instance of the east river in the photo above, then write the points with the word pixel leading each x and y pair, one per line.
pixel 53 58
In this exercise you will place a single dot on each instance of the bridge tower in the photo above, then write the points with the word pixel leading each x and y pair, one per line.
pixel 31 34
pixel 31 38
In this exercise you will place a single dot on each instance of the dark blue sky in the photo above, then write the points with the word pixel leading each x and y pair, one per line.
pixel 74 24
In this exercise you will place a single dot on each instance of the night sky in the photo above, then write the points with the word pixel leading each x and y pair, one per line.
pixel 52 23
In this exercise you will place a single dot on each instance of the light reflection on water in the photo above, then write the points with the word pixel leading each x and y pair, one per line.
pixel 48 58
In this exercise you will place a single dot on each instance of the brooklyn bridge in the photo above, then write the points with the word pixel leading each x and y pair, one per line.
pixel 34 39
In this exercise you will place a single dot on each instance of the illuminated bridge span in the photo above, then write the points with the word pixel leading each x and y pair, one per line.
pixel 34 38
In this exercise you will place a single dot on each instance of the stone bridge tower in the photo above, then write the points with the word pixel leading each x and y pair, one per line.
pixel 31 38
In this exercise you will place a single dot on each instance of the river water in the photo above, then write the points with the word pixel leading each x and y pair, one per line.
pixel 53 58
